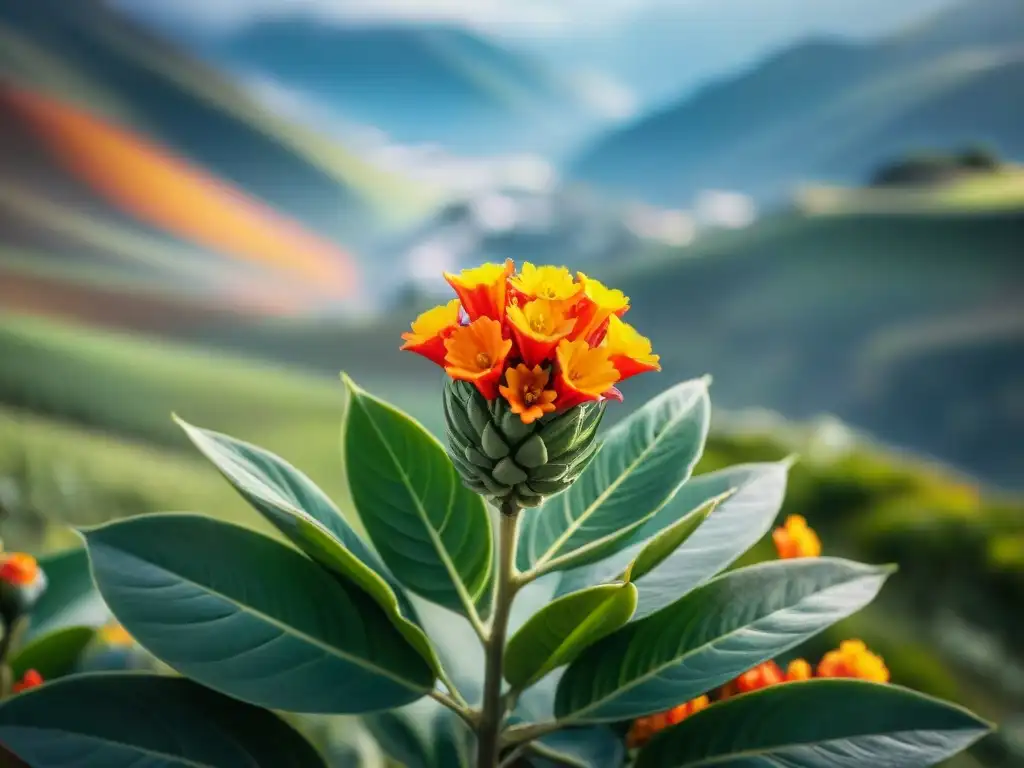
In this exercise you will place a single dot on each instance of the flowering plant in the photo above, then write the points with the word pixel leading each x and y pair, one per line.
pixel 585 616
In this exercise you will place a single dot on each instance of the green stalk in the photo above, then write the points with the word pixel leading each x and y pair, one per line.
pixel 492 713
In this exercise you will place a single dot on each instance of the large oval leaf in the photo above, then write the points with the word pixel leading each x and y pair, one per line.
pixel 301 511
pixel 818 724
pixel 53 655
pixel 432 532
pixel 739 522
pixel 127 720
pixel 252 618
pixel 70 598
pixel 640 465
pixel 712 635
pixel 559 632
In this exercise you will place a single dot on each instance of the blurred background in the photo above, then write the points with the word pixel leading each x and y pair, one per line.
pixel 212 206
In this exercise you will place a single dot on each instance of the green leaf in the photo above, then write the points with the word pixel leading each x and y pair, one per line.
pixel 595 746
pixel 738 523
pixel 711 635
pixel 70 598
pixel 641 464
pixel 302 512
pixel 128 720
pixel 402 738
pixel 818 724
pixel 53 655
pixel 432 532
pixel 560 631
pixel 252 618
pixel 662 545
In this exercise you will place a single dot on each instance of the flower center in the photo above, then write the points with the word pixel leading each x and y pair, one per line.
pixel 548 292
pixel 483 361
pixel 574 375
pixel 530 395
pixel 539 324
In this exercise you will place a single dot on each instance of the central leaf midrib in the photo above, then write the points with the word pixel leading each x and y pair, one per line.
pixel 654 672
pixel 603 496
pixel 284 628
pixel 442 553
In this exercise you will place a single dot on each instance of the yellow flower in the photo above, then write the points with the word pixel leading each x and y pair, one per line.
pixel 630 352
pixel 483 290
pixel 538 326
pixel 430 330
pixel 597 304
pixel 799 669
pixel 114 634
pixel 526 392
pixel 796 539
pixel 853 659
pixel 551 283
pixel 476 353
pixel 584 373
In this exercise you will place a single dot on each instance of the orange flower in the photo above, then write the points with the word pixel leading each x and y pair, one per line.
pixel 761 676
pixel 644 728
pixel 18 569
pixel 630 352
pixel 31 679
pixel 551 283
pixel 799 669
pixel 537 327
pixel 597 304
pixel 430 330
pixel 526 394
pixel 796 539
pixel 584 373
pixel 482 290
pixel 476 353
pixel 853 659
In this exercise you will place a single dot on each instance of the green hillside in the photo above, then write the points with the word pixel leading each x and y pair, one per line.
pixel 828 110
pixel 85 435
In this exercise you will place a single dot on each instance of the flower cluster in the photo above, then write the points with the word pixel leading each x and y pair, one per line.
pixel 540 338
pixel 18 569
pixel 851 660
pixel 796 539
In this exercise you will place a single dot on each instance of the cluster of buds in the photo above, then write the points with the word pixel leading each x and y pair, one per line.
pixel 851 660
pixel 532 358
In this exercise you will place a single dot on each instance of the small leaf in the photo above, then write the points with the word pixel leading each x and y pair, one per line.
pixel 252 618
pixel 660 546
pixel 432 532
pixel 70 598
pixel 127 720
pixel 53 655
pixel 560 631
pixel 641 464
pixel 301 511
pixel 711 635
pixel 825 723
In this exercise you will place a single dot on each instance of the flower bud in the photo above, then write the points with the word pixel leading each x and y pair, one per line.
pixel 508 461
pixel 31 679
pixel 22 583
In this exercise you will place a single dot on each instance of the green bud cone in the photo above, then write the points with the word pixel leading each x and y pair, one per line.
pixel 505 460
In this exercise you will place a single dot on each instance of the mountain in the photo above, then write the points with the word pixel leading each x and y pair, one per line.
pixel 124 161
pixel 828 109
pixel 663 51
pixel 416 83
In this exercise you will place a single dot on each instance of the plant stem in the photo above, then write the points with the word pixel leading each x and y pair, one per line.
pixel 492 713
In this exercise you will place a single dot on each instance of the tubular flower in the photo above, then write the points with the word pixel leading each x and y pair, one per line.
pixel 476 353
pixel 537 327
pixel 597 304
pixel 31 679
pixel 799 669
pixel 629 352
pixel 644 728
pixel 526 393
pixel 584 373
pixel 483 290
pixel 531 374
pixel 796 539
pixel 551 283
pixel 431 329
pixel 853 659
